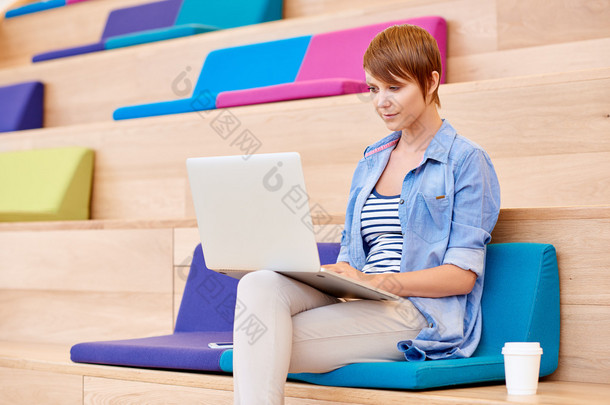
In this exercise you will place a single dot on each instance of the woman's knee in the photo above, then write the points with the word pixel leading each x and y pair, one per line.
pixel 259 282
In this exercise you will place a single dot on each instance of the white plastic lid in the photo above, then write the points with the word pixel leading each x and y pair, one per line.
pixel 522 348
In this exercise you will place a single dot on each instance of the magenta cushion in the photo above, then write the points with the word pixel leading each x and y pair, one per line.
pixel 332 65
pixel 290 91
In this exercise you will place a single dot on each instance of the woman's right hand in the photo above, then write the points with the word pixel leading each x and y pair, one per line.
pixel 345 269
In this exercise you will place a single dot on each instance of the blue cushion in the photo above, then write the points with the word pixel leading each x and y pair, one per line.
pixel 229 14
pixel 520 303
pixel 121 22
pixel 66 52
pixel 21 106
pixel 234 68
pixel 205 101
pixel 35 7
pixel 161 34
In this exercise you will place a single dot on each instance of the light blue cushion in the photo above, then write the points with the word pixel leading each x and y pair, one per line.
pixel 35 7
pixel 197 17
pixel 205 102
pixel 161 34
pixel 229 14
pixel 520 303
pixel 234 68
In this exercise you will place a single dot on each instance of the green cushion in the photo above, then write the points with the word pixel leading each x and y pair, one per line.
pixel 46 184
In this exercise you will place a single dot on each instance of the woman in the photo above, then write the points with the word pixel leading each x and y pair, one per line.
pixel 422 205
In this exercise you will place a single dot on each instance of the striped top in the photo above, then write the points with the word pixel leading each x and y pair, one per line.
pixel 382 233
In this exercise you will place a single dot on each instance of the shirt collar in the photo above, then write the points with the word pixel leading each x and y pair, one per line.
pixel 437 150
pixel 441 143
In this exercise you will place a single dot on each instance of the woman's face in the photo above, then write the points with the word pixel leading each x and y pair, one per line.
pixel 399 105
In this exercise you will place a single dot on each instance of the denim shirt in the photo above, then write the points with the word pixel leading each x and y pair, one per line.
pixel 448 208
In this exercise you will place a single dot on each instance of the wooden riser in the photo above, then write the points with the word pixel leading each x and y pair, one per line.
pixel 547 136
pixel 61 382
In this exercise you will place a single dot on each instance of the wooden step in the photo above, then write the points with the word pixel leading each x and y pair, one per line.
pixel 29 372
pixel 66 286
pixel 543 134
pixel 88 88
pixel 542 59
pixel 112 282
pixel 64 27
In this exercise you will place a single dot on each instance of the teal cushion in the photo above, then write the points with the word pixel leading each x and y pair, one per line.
pixel 520 303
pixel 234 68
pixel 35 7
pixel 160 34
pixel 229 14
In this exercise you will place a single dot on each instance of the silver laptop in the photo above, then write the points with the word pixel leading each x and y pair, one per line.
pixel 253 213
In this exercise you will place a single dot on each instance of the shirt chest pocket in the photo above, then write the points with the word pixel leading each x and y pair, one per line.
pixel 431 217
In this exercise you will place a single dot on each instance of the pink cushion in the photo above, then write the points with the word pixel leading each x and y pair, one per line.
pixel 339 53
pixel 290 91
pixel 333 65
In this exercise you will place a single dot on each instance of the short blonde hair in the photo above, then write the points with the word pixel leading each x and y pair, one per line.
pixel 406 52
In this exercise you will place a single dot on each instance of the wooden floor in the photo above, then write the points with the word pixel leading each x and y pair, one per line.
pixel 59 381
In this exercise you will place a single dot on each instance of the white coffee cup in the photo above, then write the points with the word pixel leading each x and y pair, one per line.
pixel 522 367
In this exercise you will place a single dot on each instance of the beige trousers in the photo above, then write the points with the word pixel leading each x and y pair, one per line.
pixel 283 325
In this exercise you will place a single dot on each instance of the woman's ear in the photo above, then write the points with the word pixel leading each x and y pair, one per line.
pixel 434 82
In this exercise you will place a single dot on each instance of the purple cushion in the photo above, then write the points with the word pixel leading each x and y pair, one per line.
pixel 63 53
pixel 186 351
pixel 208 302
pixel 21 106
pixel 149 16
pixel 206 315
pixel 332 65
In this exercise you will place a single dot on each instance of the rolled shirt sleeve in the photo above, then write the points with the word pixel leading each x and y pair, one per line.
pixel 475 212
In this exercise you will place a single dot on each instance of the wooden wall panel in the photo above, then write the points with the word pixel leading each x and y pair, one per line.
pixel 185 241
pixel 581 244
pixel 69 317
pixel 66 286
pixel 87 260
pixel 26 387
pixel 583 353
pixel 537 22
pixel 302 8
pixel 533 60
